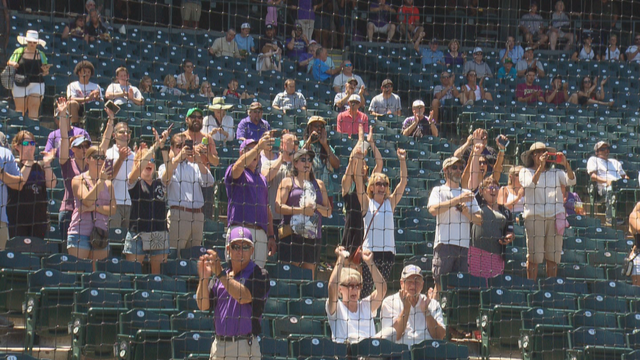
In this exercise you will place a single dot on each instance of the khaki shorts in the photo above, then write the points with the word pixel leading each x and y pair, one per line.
pixel 121 218
pixel 4 235
pixel 185 229
pixel 235 350
pixel 381 29
pixel 191 11
pixel 543 241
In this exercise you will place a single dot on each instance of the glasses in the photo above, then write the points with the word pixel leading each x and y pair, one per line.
pixel 236 247
pixel 381 183
pixel 478 53
pixel 388 86
pixel 195 117
pixel 456 167
pixel 124 132
pixel 492 188
pixel 188 66
pixel 305 160
pixel 99 157
pixel 352 286
pixel 28 143
pixel 348 65
pixel 152 161
pixel 446 77
pixel 83 146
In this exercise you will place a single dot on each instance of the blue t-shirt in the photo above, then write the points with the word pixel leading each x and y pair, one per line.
pixel 429 57
pixel 502 73
pixel 8 165
pixel 320 70
pixel 515 54
pixel 244 43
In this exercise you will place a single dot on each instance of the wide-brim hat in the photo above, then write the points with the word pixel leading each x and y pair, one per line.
pixel 218 104
pixel 527 160
pixel 32 36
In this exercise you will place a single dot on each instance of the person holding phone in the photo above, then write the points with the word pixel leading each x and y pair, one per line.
pixel 120 157
pixel 478 167
pixel 219 126
pixel 27 205
pixel 325 162
pixel 544 213
pixel 94 203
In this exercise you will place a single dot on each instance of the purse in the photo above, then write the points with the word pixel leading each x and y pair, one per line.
pixel 284 230
pixel 627 264
pixel 99 237
pixel 21 80
pixel 7 77
pixel 155 240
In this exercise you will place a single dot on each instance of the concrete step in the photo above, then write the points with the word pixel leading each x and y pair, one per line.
pixel 13 340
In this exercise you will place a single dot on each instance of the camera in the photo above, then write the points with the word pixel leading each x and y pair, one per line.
pixel 557 158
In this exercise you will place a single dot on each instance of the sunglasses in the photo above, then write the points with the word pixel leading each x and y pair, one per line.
pixel 352 286
pixel 305 160
pixel 256 111
pixel 236 247
pixel 478 53
pixel 28 143
pixel 83 146
pixel 124 132
pixel 99 157
pixel 492 188
pixel 380 183
pixel 446 77
pixel 348 65
pixel 456 167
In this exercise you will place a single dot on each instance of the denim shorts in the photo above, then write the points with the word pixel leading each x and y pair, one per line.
pixel 133 246
pixel 81 242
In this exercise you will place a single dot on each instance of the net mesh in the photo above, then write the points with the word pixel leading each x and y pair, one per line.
pixel 372 211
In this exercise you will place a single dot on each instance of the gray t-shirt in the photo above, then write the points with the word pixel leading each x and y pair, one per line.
pixel 493 226
pixel 524 65
pixel 447 96
pixel 381 105
pixel 275 183
pixel 481 69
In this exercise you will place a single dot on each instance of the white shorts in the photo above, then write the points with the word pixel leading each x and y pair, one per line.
pixel 383 29
pixel 31 89
pixel 636 266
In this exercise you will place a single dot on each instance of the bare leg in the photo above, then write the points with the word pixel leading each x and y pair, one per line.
pixel 488 96
pixel 570 42
pixel 552 269
pixel 553 40
pixel 532 270
pixel 370 28
pixel 309 266
pixel 99 254
pixel 20 104
pixel 435 106
pixel 79 253
pixel 135 258
pixel 33 105
pixel 392 31
pixel 574 98
pixel 74 109
pixel 417 33
pixel 156 261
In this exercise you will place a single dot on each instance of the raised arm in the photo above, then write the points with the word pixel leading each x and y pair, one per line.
pixel 64 130
pixel 377 296
pixel 404 175
pixel 108 131
pixel 334 280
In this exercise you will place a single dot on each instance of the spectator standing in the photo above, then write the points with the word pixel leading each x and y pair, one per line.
pixel 148 235
pixel 560 27
pixel 613 52
pixel 188 80
pixel 544 213
pixel 559 92
pixel 94 204
pixel 415 316
pixel 454 56
pixel 380 20
pixel 490 238
pixel 587 94
pixel 122 157
pixel 341 100
pixel 95 30
pixel 478 167
pixel 511 50
pixel 387 102
pixel 54 139
pixel 306 17
pixel 9 173
pixel 225 46
pixel 419 125
pixel 532 27
pixel 347 75
pixel 298 42
pixel 587 52
pixel 478 136
pixel 253 126
pixel 322 71
pixel 431 55
pixel 194 122
pixel 277 167
pixel 325 22
pixel 527 92
pixel 604 172
pixel 633 51
pixel 122 92
pixel 443 94
pixel 245 41
pixel 83 90
pixel 455 209
pixel 289 99
pixel 325 162
pixel 27 200
pixel 507 71
pixel 236 296
pixel 529 62
pixel 409 21
pixel 184 175
pixel 31 66
pixel 478 65
pixel 349 119
pixel 169 86
pixel 473 92
pixel 634 229
pixel 248 205
pixel 191 11
pixel 219 125
pixel 302 200
pixel 512 195
pixel 350 316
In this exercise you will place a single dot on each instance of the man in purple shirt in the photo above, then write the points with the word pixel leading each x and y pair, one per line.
pixel 236 295
pixel 53 141
pixel 380 20
pixel 253 126
pixel 297 44
pixel 248 195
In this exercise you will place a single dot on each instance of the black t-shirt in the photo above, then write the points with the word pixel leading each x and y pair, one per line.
pixel 95 31
pixel 29 205
pixel 353 221
pixel 265 40
pixel 148 207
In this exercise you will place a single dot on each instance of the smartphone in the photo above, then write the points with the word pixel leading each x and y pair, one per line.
pixel 314 137
pixel 188 143
pixel 108 164
pixel 170 127
pixel 276 133
pixel 276 143
pixel 557 158
pixel 503 141
pixel 112 106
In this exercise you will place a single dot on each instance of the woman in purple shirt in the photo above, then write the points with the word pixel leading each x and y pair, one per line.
pixel 454 56
pixel 94 204
pixel 303 201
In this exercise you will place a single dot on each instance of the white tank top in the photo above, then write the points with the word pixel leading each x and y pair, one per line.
pixel 586 55
pixel 381 234
pixel 517 207
pixel 615 55
pixel 477 91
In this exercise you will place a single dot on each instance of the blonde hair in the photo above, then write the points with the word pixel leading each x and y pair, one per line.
pixel 372 184
pixel 349 274
pixel 121 68
pixel 514 171
pixel 167 78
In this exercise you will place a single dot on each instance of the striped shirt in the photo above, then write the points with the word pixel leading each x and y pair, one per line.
pixel 289 102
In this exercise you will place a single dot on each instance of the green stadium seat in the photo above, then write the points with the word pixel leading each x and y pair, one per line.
pixel 143 334
pixel 380 348
pixel 16 356
pixel 516 283
pixel 311 308
pixel 192 345
pixel 596 343
pixel 499 318
pixel 561 285
pixel 192 321
pixel 315 289
pixel 615 289
pixel 107 281
pixel 67 263
pixel 460 298
pixel 629 322
pixel 580 272
pixel 119 266
pixel 295 327
pixel 33 245
pixel 543 334
pixel 634 355
pixel 318 347
pixel 14 268
pixel 154 301
pixel 593 319
pixel 284 289
pixel 439 350
pixel 160 283
pixel 187 302
pixel 274 349
pixel 597 302
pixel 553 300
pixel 288 272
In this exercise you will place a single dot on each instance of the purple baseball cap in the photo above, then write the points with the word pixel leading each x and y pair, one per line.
pixel 246 143
pixel 240 234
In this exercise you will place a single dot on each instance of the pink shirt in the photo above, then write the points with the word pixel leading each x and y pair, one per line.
pixel 347 125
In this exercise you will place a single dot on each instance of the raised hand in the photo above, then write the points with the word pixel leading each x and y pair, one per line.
pixel 402 154
pixel 47 157
pixel 367 257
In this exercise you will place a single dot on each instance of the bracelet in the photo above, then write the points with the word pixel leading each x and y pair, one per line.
pixel 503 150
pixel 271 237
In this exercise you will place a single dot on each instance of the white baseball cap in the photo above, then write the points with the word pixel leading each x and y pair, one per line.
pixel 245 26
pixel 417 103
pixel 410 270
pixel 476 50
pixel 354 97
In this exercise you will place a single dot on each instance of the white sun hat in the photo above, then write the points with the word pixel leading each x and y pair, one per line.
pixel 32 36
